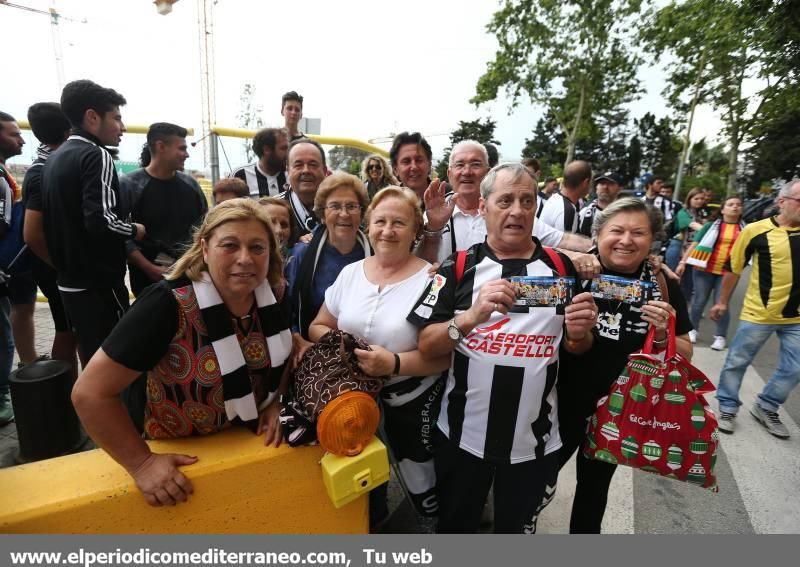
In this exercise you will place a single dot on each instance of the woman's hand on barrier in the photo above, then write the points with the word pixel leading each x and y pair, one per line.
pixel 300 346
pixel 375 362
pixel 657 313
pixel 269 424
pixel 160 481
pixel 580 316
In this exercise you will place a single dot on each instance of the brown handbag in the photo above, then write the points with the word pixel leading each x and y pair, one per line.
pixel 328 369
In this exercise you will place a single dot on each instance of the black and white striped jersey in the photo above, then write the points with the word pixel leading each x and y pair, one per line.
pixel 260 183
pixel 500 399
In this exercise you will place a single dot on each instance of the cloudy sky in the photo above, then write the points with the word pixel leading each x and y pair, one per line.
pixel 365 68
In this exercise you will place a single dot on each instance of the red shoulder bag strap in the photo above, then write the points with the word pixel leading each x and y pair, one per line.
pixel 461 260
pixel 556 260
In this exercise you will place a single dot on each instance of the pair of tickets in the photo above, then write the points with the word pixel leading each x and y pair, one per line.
pixel 542 291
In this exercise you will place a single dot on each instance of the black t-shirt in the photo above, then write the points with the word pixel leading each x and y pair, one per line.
pixel 143 335
pixel 620 331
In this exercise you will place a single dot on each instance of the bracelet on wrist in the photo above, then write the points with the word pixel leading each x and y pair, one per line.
pixel 431 233
pixel 396 371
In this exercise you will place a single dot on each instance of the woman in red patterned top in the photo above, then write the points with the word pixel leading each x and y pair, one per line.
pixel 708 255
pixel 213 340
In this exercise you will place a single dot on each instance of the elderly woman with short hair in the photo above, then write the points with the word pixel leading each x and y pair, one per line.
pixel 213 339
pixel 624 233
pixel 312 268
pixel 369 300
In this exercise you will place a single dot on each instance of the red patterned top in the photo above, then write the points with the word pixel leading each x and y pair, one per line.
pixel 184 390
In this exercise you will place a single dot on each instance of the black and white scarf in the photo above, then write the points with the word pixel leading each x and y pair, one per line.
pixel 236 386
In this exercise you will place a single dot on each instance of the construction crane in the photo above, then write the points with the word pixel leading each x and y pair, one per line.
pixel 55 32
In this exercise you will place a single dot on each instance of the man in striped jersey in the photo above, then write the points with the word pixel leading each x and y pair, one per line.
pixel 771 305
pixel 267 176
pixel 84 216
pixel 498 420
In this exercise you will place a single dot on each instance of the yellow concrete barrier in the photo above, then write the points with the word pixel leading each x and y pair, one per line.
pixel 240 487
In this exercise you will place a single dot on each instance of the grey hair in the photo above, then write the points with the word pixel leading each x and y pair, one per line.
pixel 630 205
pixel 465 143
pixel 787 187
pixel 516 170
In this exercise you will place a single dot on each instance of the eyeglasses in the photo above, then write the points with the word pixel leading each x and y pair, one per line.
pixel 792 198
pixel 372 166
pixel 460 166
pixel 349 207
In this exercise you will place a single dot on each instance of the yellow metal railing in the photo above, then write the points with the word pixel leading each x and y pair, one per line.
pixel 326 140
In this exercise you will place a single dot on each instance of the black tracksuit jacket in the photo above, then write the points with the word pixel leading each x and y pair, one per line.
pixel 84 215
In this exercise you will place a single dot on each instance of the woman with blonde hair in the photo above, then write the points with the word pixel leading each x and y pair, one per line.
pixel 213 339
pixel 370 299
pixel 376 174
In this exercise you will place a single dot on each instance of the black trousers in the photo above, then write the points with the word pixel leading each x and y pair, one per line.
pixel 93 313
pixel 593 477
pixel 463 481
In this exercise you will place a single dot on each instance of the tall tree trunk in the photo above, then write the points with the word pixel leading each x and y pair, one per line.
pixel 733 162
pixel 572 137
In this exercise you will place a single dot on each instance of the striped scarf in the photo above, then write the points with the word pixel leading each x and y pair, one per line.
pixel 705 248
pixel 236 386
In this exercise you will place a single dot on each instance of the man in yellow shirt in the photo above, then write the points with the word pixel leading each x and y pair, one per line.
pixel 772 304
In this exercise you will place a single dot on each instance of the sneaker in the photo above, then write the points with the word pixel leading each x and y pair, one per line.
pixel 770 420
pixel 719 343
pixel 726 422
pixel 693 336
pixel 6 409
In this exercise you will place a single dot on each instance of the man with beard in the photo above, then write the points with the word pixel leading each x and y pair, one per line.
pixel 166 200
pixel 607 188
pixel 11 143
pixel 307 169
pixel 267 176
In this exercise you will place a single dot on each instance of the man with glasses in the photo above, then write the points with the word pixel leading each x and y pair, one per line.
pixel 453 221
pixel 771 305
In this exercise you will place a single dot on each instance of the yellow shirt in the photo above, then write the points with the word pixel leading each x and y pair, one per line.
pixel 773 293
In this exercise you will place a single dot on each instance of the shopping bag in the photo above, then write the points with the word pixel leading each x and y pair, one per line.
pixel 656 419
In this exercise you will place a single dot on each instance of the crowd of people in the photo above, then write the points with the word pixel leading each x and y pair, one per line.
pixel 482 394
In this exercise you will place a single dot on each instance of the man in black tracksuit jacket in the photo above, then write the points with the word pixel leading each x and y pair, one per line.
pixel 84 216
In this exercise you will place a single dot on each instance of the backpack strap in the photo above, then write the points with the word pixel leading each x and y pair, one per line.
pixel 461 260
pixel 555 258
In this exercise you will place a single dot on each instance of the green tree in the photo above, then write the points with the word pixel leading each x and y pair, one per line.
pixel 547 146
pixel 720 45
pixel 345 158
pixel 249 116
pixel 776 152
pixel 573 57
pixel 660 146
pixel 478 130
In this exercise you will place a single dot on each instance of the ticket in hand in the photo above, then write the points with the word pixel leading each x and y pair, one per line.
pixel 542 291
pixel 615 288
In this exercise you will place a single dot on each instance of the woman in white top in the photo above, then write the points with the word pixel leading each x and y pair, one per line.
pixel 371 299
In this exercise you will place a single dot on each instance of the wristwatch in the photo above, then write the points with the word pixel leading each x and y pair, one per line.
pixel 453 331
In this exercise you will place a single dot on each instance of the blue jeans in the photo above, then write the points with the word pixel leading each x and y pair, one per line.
pixel 6 344
pixel 750 337
pixel 704 284
pixel 672 257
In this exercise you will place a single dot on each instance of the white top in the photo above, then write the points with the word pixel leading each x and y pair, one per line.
pixel 554 212
pixel 471 229
pixel 378 317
